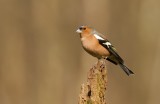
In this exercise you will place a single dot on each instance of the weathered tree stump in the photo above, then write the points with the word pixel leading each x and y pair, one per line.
pixel 93 91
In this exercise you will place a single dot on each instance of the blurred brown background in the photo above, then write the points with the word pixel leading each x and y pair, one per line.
pixel 42 61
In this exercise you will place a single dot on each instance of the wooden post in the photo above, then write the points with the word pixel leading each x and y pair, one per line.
pixel 93 91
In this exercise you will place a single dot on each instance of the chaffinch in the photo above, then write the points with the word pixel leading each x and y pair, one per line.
pixel 98 46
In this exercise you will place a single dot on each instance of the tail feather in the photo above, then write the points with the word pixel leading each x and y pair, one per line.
pixel 125 69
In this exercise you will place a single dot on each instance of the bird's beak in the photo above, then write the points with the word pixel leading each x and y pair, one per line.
pixel 79 31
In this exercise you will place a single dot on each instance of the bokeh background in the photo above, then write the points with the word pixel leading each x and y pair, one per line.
pixel 42 61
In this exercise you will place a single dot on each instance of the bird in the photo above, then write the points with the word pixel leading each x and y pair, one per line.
pixel 97 45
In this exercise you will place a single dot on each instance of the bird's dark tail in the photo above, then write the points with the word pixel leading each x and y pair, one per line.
pixel 126 70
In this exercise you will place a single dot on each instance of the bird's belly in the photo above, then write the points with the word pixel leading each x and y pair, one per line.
pixel 96 50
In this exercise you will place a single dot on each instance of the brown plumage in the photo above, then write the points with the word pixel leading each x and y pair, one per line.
pixel 92 46
pixel 98 46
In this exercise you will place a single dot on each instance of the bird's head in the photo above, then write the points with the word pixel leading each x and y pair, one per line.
pixel 84 29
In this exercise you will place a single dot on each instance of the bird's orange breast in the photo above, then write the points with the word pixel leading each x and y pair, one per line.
pixel 92 46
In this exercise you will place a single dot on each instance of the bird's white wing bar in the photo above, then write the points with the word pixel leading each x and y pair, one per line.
pixel 108 44
pixel 98 37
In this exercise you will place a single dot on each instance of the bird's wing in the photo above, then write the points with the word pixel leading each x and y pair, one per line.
pixel 98 35
pixel 105 43
pixel 111 49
